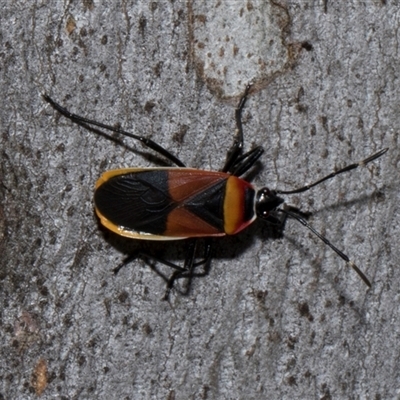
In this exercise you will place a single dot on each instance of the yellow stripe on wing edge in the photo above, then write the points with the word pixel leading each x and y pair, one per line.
pixel 131 234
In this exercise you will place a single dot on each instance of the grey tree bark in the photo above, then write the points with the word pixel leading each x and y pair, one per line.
pixel 277 317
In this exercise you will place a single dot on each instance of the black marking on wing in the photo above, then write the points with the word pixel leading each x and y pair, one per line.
pixel 209 205
pixel 136 201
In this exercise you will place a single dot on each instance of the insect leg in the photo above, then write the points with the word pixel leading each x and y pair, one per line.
pixel 190 265
pixel 187 271
pixel 246 161
pixel 143 254
pixel 236 149
pixel 85 122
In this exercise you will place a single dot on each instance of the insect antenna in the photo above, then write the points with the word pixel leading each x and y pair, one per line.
pixel 361 163
pixel 328 243
pixel 316 233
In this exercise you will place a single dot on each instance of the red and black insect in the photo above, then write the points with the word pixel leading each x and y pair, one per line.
pixel 182 203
